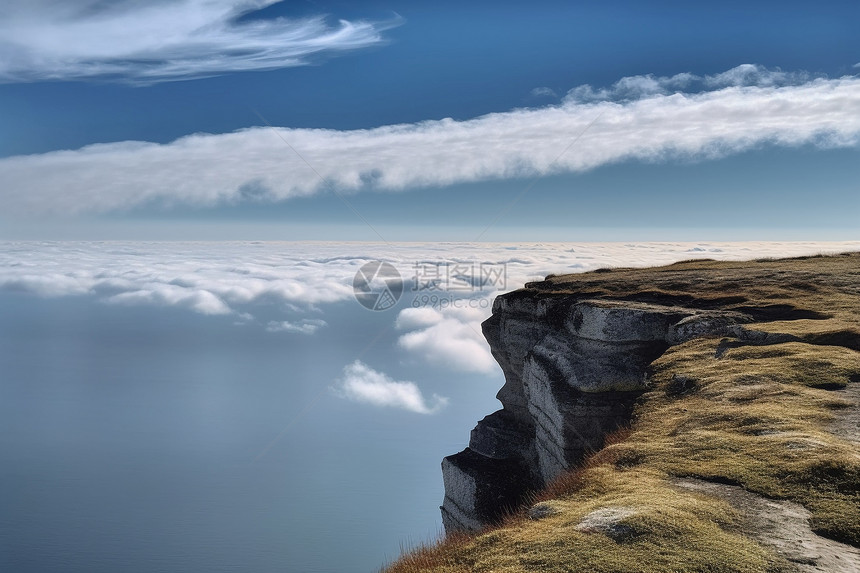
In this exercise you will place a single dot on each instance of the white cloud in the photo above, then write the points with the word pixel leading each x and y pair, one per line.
pixel 754 75
pixel 257 282
pixel 631 88
pixel 360 383
pixel 304 326
pixel 149 42
pixel 219 277
pixel 199 300
pixel 210 278
pixel 204 169
pixel 452 341
pixel 412 318
pixel 638 87
pixel 543 92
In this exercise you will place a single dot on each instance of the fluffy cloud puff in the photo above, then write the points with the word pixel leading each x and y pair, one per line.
pixel 638 87
pixel 360 383
pixel 640 118
pixel 172 39
pixel 450 338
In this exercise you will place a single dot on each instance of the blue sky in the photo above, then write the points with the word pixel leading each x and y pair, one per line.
pixel 114 73
pixel 192 405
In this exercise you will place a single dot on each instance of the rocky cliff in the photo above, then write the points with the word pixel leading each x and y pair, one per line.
pixel 577 354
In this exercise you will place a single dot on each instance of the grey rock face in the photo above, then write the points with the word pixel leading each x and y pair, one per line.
pixel 501 436
pixel 479 490
pixel 569 423
pixel 573 370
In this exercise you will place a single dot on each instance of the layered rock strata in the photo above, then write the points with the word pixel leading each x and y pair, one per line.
pixel 573 366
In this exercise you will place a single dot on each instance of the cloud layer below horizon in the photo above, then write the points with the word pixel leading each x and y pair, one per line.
pixel 43 40
pixel 642 118
pixel 287 289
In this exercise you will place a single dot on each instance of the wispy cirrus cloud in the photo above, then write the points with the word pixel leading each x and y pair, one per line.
pixel 149 42
pixel 636 120
pixel 361 383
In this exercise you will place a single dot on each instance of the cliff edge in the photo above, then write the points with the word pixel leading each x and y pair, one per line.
pixel 698 416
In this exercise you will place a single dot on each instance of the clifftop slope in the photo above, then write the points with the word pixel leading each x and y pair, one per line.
pixel 701 416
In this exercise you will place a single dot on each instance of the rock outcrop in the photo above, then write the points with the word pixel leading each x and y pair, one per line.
pixel 573 370
pixel 575 351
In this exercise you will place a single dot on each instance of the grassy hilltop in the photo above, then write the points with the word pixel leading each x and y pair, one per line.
pixel 744 455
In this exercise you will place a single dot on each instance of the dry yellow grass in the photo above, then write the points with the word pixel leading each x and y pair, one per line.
pixel 756 415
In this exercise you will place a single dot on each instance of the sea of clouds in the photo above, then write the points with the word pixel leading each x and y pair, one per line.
pixel 288 288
